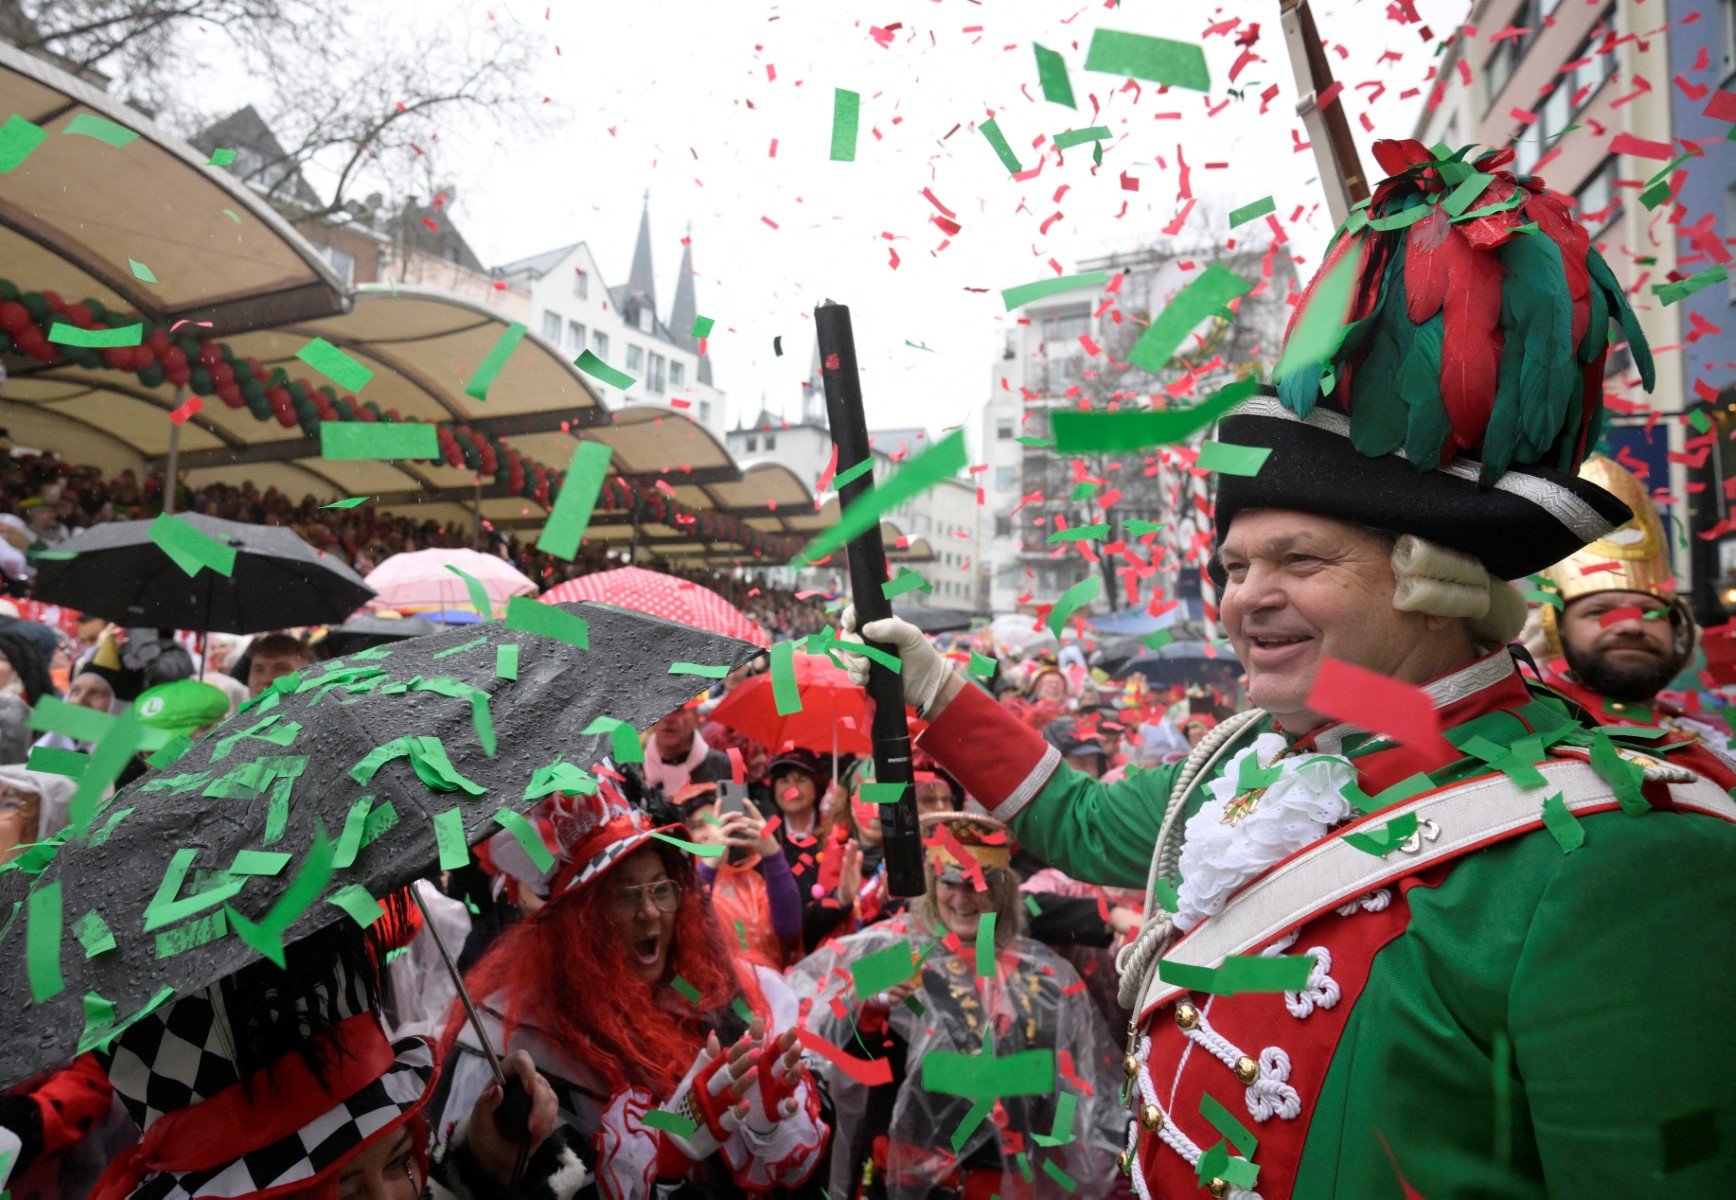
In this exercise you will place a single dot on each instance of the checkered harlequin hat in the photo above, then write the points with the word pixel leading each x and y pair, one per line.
pixel 209 1133
pixel 598 831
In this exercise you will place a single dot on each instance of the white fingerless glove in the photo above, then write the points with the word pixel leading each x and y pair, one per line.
pixel 922 669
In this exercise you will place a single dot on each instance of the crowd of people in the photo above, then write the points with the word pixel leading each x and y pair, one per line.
pixel 1413 910
pixel 44 500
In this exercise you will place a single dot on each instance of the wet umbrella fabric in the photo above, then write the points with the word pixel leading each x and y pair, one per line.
pixel 833 718
pixel 116 571
pixel 319 798
pixel 367 629
pixel 930 619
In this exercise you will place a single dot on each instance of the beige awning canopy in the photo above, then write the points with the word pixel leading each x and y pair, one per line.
pixel 77 209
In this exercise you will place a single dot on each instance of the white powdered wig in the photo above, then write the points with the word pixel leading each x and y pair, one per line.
pixel 1442 582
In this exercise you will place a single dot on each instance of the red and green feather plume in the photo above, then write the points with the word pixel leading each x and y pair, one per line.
pixel 1460 311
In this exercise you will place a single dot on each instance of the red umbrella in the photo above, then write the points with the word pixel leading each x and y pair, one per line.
pixel 833 717
pixel 663 596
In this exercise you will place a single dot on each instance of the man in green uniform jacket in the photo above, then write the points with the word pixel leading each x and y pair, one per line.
pixel 1411 927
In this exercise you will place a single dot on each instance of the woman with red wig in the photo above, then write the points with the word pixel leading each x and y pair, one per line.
pixel 625 992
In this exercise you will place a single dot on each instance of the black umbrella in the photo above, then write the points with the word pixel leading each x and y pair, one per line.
pixel 315 800
pixel 366 630
pixel 931 619
pixel 117 571
pixel 1183 662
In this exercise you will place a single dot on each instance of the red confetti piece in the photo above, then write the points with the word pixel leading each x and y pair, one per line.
pixel 867 1072
pixel 179 416
pixel 1346 692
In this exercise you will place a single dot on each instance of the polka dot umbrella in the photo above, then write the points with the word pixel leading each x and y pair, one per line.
pixel 660 595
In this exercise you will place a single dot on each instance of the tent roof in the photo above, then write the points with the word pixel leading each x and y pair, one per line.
pixel 77 209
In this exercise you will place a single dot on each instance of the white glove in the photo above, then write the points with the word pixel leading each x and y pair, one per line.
pixel 708 1097
pixel 922 669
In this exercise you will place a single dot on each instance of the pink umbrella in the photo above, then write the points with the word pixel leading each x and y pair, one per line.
pixel 663 596
pixel 419 581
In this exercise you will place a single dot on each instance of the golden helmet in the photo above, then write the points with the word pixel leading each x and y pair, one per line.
pixel 1634 558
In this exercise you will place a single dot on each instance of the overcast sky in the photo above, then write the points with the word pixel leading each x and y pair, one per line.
pixel 686 99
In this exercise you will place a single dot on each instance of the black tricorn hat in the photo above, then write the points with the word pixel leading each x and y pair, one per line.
pixel 1531 517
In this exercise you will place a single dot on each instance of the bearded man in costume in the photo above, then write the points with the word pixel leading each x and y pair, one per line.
pixel 1481 910
pixel 1622 633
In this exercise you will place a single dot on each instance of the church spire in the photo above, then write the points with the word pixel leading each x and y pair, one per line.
pixel 686 308
pixel 641 284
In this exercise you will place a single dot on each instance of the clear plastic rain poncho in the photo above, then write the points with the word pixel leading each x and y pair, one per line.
pixel 1034 1001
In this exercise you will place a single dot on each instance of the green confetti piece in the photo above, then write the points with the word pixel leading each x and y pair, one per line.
pixel 93 934
pixel 595 367
pixel 559 776
pixel 190 548
pixel 304 889
pixel 101 128
pixel 703 670
pixel 624 744
pixel 778 346
pixel 1563 826
pixel 192 935
pixel 1687 1138
pixel 1061 1128
pixel 272 728
pixel 1159 60
pixel 18 139
pixel 1248 212
pixel 1241 973
pixel 109 826
pixel 335 365
pixel 943 460
pixel 506 661
pixel 449 836
pixel 230 213
pixel 221 157
pixel 1079 533
pixel 1052 74
pixel 1681 289
pixel 1134 527
pixel 1098 431
pixel 852 473
pixel 846 114
pixel 884 969
pixel 356 900
pixel 586 471
pixel 1074 137
pixel 168 907
pixel 527 836
pixel 985 946
pixel 786 693
pixel 906 581
pixel 1464 195
pixel 545 620
pixel 110 758
pixel 1227 458
pixel 99 1016
pixel 492 363
pixel 50 761
pixel 972 1118
pixel 1058 1175
pixel 998 142
pixel 42 930
pixel 1385 840
pixel 350 840
pixel 172 752
pixel 1036 443
pixel 65 333
pixel 1042 289
pixel 351 441
pixel 1208 296
pixel 1224 1121
pixel 141 271
pixel 687 990
pixel 1072 600
pixel 702 327
pixel 353 501
pixel 981 665
pixel 474 589
pixel 259 862
pixel 987 1077
pixel 1700 422
pixel 1158 640
pixel 460 648
pixel 1624 777
pixel 880 793
pixel 668 1122
pixel 81 724
pixel 691 847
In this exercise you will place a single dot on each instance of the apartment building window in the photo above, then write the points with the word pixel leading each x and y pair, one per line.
pixel 645 319
pixel 1003 527
pixel 575 336
pixel 342 262
pixel 677 375
pixel 771 441
pixel 657 373
pixel 752 445
pixel 552 328
pixel 581 284
pixel 1066 328
pixel 600 345
pixel 1004 430
pixel 1598 203
pixel 1727 30
pixel 1003 479
pixel 635 358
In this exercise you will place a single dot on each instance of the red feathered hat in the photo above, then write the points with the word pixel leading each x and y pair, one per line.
pixel 598 831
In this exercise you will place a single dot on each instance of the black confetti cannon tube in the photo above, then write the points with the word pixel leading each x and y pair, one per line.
pixel 867 558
